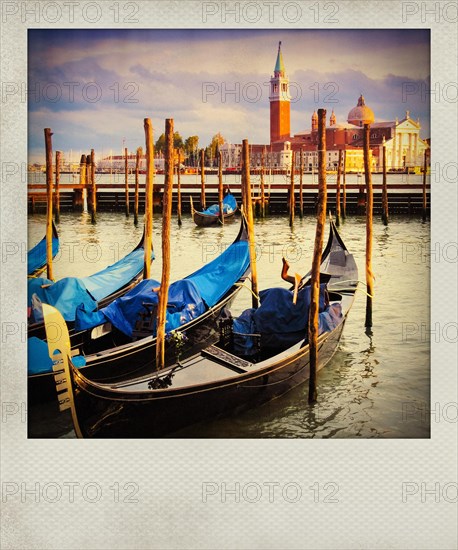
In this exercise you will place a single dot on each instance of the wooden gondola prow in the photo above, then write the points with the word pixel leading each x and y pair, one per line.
pixel 49 189
pixel 149 186
pixel 166 218
pixel 319 237
pixel 59 350
pixel 248 212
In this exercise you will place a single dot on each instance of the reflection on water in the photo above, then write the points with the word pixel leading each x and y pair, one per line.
pixel 373 376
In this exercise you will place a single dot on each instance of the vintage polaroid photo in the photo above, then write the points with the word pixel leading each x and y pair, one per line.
pixel 229 233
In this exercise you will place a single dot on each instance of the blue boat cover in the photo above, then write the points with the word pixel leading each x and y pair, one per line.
pixel 229 205
pixel 188 298
pixel 277 312
pixel 112 278
pixel 39 361
pixel 184 304
pixel 279 322
pixel 65 295
pixel 36 257
pixel 68 293
pixel 215 278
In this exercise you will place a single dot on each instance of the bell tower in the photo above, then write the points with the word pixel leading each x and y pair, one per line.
pixel 279 102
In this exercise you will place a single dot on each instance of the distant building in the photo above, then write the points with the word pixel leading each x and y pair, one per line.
pixel 404 147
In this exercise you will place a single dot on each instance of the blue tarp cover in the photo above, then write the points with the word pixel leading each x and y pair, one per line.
pixel 277 312
pixel 184 304
pixel 215 278
pixel 279 322
pixel 36 258
pixel 187 298
pixel 229 205
pixel 69 293
pixel 115 276
pixel 39 361
pixel 65 295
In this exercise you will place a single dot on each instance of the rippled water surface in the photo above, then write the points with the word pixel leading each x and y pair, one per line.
pixel 373 382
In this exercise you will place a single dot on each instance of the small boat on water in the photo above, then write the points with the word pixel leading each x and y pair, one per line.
pixel 119 341
pixel 258 356
pixel 36 256
pixel 211 215
pixel 94 291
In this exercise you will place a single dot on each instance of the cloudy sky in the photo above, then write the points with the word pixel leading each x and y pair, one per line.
pixel 93 88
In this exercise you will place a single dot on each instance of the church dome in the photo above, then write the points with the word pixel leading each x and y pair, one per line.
pixel 361 114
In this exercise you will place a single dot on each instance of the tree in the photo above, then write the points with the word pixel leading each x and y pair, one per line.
pixel 177 141
pixel 159 147
pixel 217 141
pixel 191 144
pixel 191 147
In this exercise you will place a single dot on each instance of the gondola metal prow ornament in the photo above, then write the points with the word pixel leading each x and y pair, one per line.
pixel 58 341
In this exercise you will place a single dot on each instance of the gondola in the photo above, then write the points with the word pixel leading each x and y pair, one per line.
pixel 210 216
pixel 94 291
pixel 218 380
pixel 36 256
pixel 119 341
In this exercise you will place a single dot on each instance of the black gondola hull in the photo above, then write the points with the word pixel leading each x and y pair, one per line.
pixel 166 413
pixel 207 220
pixel 136 359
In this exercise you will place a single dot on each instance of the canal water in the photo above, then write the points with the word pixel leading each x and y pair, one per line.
pixel 378 383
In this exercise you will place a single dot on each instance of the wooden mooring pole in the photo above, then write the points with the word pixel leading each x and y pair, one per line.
pixel 339 173
pixel 126 180
pixel 344 186
pixel 88 182
pixel 292 202
pixel 57 189
pixel 166 218
pixel 301 186
pixel 79 198
pixel 138 157
pixel 262 208
pixel 220 187
pixel 384 186
pixel 319 237
pixel 248 211
pixel 149 186
pixel 179 188
pixel 49 189
pixel 93 190
pixel 425 170
pixel 369 220
pixel 202 179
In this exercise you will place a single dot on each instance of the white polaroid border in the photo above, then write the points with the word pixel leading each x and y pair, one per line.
pixel 154 494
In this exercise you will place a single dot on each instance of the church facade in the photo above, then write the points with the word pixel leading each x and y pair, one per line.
pixel 404 147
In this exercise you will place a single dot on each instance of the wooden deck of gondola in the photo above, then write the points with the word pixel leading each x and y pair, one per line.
pixel 227 359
